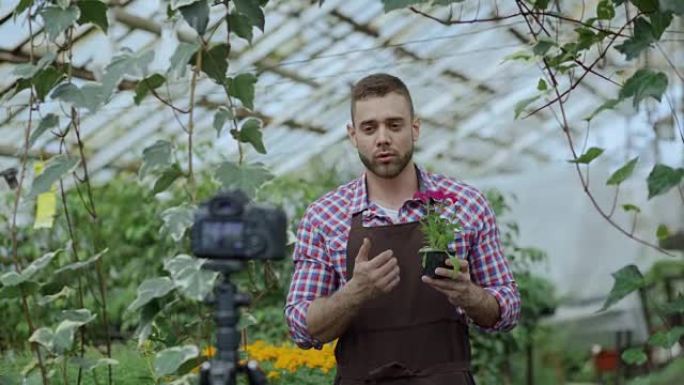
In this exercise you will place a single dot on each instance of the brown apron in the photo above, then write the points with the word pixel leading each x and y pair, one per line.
pixel 412 335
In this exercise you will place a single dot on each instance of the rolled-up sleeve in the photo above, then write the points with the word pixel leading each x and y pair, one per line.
pixel 314 276
pixel 490 270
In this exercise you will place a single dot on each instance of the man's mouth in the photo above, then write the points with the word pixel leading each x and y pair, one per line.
pixel 385 156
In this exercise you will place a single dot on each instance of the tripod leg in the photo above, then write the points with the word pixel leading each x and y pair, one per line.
pixel 255 376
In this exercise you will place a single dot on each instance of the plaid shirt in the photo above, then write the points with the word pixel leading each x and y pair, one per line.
pixel 320 252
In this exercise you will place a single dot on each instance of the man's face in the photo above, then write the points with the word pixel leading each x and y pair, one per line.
pixel 383 133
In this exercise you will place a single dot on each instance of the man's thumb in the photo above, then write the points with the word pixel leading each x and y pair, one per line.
pixel 363 250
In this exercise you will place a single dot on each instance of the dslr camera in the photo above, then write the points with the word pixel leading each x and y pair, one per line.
pixel 229 227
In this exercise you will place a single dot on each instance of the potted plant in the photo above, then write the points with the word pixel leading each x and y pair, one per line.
pixel 438 230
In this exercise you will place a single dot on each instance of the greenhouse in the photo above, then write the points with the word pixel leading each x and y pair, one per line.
pixel 252 191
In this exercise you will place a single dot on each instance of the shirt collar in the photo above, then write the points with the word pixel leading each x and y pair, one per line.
pixel 360 202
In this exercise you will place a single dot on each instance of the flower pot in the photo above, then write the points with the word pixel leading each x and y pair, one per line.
pixel 431 259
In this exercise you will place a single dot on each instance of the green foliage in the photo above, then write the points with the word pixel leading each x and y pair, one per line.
pixel 215 62
pixel 55 168
pixel 220 117
pixel 93 12
pixel 242 87
pixel 250 132
pixel 197 15
pixel 521 105
pixel 624 172
pixel 144 86
pixel 663 178
pixel 627 280
pixel 643 84
pixel 252 11
pixel 56 19
pixel 249 178
pixel 589 156
pixel 168 361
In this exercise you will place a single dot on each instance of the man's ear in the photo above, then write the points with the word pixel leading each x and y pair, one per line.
pixel 351 133
pixel 415 128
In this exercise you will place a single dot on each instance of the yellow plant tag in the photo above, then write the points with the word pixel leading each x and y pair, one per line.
pixel 46 205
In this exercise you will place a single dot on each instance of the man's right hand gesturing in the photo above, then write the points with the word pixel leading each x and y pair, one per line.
pixel 376 276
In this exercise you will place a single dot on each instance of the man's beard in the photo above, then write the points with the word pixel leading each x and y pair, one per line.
pixel 387 170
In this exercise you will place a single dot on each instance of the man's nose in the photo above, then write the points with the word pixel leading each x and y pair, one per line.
pixel 383 136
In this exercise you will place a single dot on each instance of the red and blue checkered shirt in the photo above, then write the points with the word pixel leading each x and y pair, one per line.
pixel 320 252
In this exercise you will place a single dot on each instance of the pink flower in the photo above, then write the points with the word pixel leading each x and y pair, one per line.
pixel 434 196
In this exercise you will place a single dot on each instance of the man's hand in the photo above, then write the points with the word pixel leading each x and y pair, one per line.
pixel 374 277
pixel 478 304
pixel 458 288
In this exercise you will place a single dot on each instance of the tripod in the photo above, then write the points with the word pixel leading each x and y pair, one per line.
pixel 223 368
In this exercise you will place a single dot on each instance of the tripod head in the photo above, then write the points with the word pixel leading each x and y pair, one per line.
pixel 223 368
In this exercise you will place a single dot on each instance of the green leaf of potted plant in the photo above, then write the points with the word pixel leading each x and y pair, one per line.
pixel 438 230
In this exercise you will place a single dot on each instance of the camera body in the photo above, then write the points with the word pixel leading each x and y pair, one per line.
pixel 229 227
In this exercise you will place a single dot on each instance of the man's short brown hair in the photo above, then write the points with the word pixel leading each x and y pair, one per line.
pixel 378 85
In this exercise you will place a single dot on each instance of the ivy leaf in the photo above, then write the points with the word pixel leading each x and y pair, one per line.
pixel 169 360
pixel 644 83
pixel 150 289
pixel 126 63
pixel 55 169
pixel 242 87
pixel 93 12
pixel 627 280
pixel 46 80
pixel 220 117
pixel 241 26
pixel 521 105
pixel 248 178
pixel 252 10
pixel 659 23
pixel 676 6
pixel 157 156
pixel 167 178
pixel 76 266
pixel 43 336
pixel 630 207
pixel 144 86
pixel 250 132
pixel 662 232
pixel 215 63
pixel 646 6
pixel 608 105
pixel 196 15
pixel 542 47
pixel 642 39
pixel 56 19
pixel 587 157
pixel 64 333
pixel 605 10
pixel 541 86
pixel 391 5
pixel 90 96
pixel 49 121
pixel 662 178
pixel 28 70
pixel 180 58
pixel 66 292
pixel 22 6
pixel 634 356
pixel 623 172
pixel 147 315
pixel 177 220
pixel 189 277
pixel 39 264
